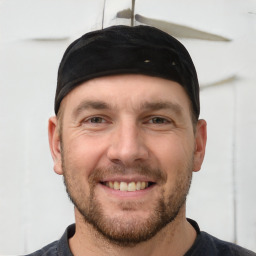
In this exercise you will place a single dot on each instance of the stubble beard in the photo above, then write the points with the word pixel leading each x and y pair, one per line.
pixel 127 232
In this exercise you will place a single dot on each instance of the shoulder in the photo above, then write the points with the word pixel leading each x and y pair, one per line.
pixel 206 244
pixel 214 246
pixel 48 250
pixel 59 247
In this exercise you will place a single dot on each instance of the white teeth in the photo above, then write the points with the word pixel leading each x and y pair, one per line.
pixel 143 185
pixel 124 186
pixel 131 186
pixel 111 184
pixel 116 185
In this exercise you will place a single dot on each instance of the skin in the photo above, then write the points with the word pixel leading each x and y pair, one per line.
pixel 143 131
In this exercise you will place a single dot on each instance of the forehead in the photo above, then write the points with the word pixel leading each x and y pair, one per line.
pixel 127 91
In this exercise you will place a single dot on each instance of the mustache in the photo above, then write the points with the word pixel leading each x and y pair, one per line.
pixel 154 174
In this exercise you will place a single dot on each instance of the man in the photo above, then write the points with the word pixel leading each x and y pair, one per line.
pixel 126 137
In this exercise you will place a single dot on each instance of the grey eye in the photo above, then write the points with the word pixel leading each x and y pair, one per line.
pixel 96 119
pixel 158 120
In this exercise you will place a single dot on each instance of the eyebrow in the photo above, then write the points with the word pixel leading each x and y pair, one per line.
pixel 154 106
pixel 84 105
pixel 147 106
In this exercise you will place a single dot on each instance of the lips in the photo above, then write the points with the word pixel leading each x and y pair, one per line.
pixel 127 186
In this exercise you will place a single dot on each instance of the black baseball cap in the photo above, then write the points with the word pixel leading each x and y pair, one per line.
pixel 127 50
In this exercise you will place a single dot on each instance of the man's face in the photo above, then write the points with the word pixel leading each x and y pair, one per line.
pixel 127 152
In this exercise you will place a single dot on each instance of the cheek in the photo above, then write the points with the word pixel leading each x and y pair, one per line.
pixel 172 151
pixel 83 153
pixel 174 156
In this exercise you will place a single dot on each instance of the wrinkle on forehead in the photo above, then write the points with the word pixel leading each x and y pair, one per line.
pixel 132 93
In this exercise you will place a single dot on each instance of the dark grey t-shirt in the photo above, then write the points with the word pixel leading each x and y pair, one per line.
pixel 204 245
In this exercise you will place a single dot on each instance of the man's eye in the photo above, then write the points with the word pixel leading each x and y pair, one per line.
pixel 159 120
pixel 96 120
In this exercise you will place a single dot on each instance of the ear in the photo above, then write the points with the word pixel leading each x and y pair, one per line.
pixel 200 144
pixel 54 142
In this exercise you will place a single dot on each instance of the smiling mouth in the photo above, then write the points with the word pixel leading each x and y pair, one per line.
pixel 127 186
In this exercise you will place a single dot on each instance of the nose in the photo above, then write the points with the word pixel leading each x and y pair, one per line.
pixel 127 145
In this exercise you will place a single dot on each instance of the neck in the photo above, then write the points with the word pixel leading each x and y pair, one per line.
pixel 175 240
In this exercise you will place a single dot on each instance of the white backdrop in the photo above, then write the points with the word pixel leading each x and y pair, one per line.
pixel 220 35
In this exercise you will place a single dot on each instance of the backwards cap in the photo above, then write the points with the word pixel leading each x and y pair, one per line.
pixel 127 50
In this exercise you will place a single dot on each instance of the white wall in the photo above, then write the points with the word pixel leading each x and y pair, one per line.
pixel 220 34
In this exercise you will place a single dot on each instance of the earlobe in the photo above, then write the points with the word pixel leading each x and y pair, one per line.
pixel 54 143
pixel 200 144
